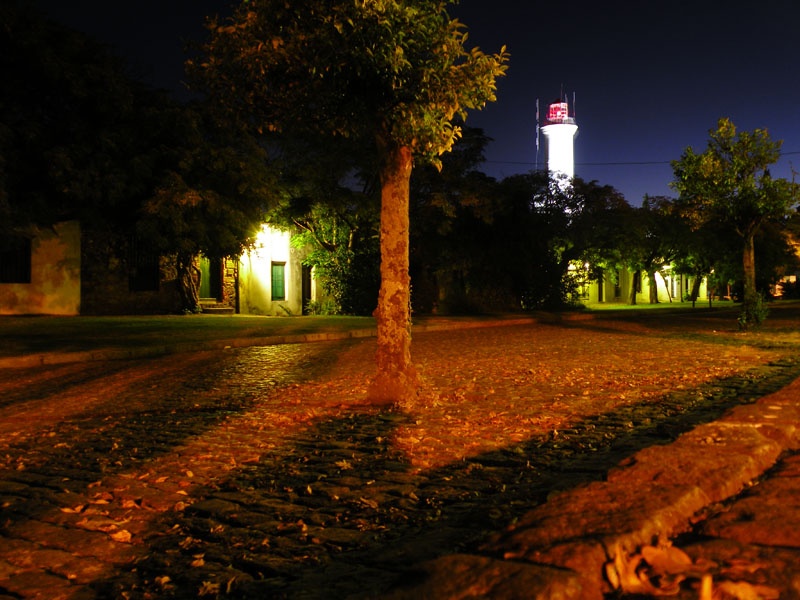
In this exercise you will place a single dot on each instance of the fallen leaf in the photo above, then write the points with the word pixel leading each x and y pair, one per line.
pixel 741 590
pixel 735 568
pixel 371 503
pixel 122 536
pixel 208 589
pixel 667 559
pixel 636 575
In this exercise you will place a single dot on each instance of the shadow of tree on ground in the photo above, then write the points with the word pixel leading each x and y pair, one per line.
pixel 337 511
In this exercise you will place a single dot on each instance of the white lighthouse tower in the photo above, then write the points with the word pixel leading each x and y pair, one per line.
pixel 559 130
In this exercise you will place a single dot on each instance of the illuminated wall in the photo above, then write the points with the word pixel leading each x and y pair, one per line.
pixel 55 287
pixel 271 249
pixel 618 289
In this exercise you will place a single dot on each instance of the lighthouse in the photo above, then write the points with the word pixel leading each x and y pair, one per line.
pixel 559 130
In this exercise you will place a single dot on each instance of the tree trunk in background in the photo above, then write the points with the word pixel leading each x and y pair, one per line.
pixel 667 286
pixel 635 286
pixel 695 293
pixel 749 264
pixel 188 284
pixel 651 277
pixel 750 310
pixel 395 380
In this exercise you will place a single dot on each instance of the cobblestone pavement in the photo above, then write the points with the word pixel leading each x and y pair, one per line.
pixel 260 472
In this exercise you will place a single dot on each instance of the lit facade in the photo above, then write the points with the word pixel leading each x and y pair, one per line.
pixel 66 271
pixel 272 278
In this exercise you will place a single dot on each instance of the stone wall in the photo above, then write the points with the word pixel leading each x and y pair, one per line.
pixel 106 284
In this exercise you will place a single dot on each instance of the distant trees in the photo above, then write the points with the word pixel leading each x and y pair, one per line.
pixel 730 183
pixel 75 138
pixel 483 245
pixel 600 229
pixel 454 211
pixel 653 243
pixel 81 139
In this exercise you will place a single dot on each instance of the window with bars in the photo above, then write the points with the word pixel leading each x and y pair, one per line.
pixel 143 267
pixel 15 260
pixel 278 281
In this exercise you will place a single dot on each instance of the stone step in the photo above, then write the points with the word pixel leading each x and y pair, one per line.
pixel 217 310
pixel 212 306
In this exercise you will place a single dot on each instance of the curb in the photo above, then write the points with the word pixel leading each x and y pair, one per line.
pixel 56 358
pixel 559 550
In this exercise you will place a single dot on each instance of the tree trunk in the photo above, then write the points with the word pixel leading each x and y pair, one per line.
pixel 395 380
pixel 749 264
pixel 635 286
pixel 188 283
pixel 651 278
pixel 695 293
pixel 752 315
pixel 667 287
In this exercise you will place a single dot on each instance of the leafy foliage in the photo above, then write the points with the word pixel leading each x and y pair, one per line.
pixel 212 198
pixel 731 183
pixel 398 70
pixel 328 198
pixel 452 214
pixel 344 253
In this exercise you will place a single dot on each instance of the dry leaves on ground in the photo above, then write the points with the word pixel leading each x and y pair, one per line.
pixel 663 570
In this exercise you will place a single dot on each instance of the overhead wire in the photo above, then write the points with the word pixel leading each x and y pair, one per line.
pixel 604 164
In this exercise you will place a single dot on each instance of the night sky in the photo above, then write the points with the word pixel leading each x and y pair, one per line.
pixel 649 77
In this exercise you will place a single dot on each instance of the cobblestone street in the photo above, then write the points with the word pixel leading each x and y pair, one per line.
pixel 261 473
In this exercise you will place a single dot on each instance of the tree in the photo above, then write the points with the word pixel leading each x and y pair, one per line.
pixel 451 210
pixel 598 227
pixel 703 252
pixel 653 243
pixel 329 200
pixel 731 182
pixel 72 140
pixel 209 198
pixel 390 74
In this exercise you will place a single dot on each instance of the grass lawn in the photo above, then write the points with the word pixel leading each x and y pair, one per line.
pixel 42 334
pixel 37 334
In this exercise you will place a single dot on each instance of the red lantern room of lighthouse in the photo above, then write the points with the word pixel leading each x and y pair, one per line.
pixel 558 112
